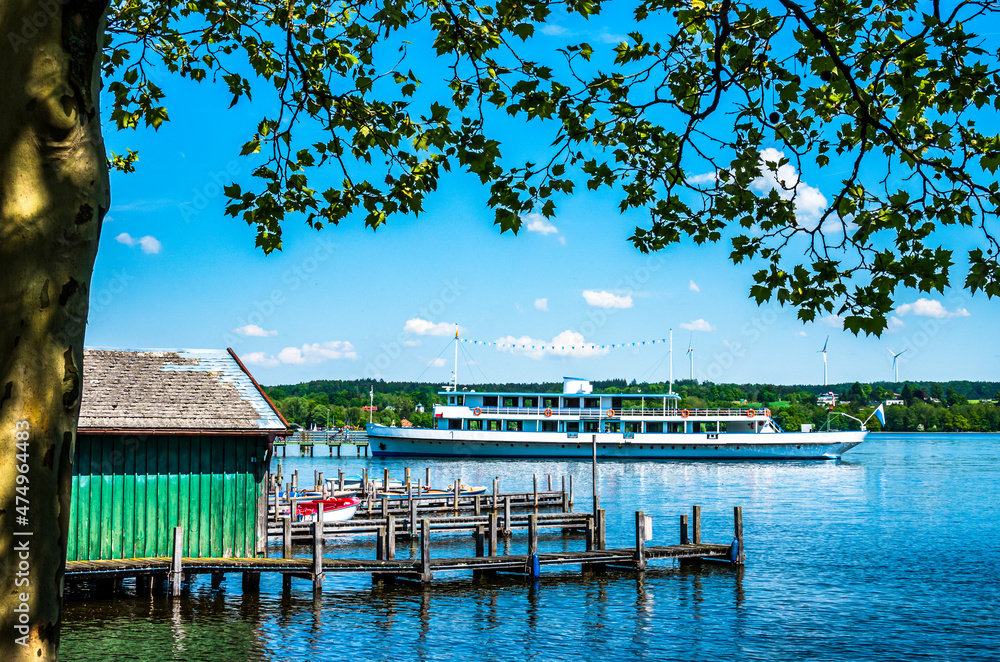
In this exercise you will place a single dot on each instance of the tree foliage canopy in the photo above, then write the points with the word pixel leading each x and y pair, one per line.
pixel 710 115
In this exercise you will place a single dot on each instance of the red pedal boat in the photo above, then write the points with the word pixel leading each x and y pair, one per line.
pixel 337 509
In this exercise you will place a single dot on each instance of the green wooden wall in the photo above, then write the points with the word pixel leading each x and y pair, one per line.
pixel 130 491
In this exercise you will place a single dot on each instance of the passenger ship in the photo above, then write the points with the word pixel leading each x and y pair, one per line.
pixel 574 423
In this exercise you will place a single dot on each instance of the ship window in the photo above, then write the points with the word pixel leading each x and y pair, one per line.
pixel 489 401
pixel 530 402
pixel 550 426
pixel 451 399
pixel 573 426
pixel 550 402
pixel 461 399
pixel 590 426
pixel 572 403
pixel 493 425
pixel 616 403
pixel 592 403
pixel 654 428
pixel 475 425
pixel 612 426
pixel 454 424
pixel 509 402
pixel 633 426
pixel 514 426
pixel 675 428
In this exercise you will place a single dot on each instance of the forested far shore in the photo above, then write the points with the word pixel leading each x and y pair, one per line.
pixel 951 406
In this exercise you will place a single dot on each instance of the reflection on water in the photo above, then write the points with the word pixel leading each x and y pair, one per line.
pixel 847 560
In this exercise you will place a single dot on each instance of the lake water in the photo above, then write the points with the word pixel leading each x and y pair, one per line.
pixel 892 553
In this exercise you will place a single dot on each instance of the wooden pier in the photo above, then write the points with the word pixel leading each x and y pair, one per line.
pixel 308 440
pixel 153 573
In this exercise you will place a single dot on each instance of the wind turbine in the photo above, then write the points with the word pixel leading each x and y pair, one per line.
pixel 823 351
pixel 895 368
pixel 690 353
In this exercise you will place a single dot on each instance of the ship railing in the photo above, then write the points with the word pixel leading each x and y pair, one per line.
pixel 644 412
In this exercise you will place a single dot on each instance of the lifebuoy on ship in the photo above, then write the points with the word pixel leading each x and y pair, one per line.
pixel 548 413
pixel 685 413
pixel 477 411
pixel 750 413
pixel 611 413
pixel 767 412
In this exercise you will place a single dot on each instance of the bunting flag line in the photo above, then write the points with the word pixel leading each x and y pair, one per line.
pixel 591 346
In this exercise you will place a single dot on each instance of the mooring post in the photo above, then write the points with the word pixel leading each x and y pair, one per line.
pixel 390 538
pixel 413 518
pixel 601 530
pixel 696 525
pixel 427 477
pixel 295 479
pixel 507 528
pixel 571 492
pixel 286 537
pixel 316 478
pixel 493 533
pixel 741 557
pixel 458 487
pixel 379 545
pixel 565 502
pixel 640 540
pixel 590 532
pixel 684 530
pixel 385 480
pixel 534 480
pixel 549 476
pixel 425 551
pixel 319 515
pixel 317 536
pixel 176 574
pixel 480 540
pixel 385 507
pixel 321 484
pixel 277 501
pixel 496 492
pixel 340 480
pixel 476 503
pixel 531 565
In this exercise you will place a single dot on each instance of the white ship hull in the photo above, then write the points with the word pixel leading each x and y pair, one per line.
pixel 418 442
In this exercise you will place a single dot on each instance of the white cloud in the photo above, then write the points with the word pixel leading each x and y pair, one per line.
pixel 567 343
pixel 553 30
pixel 704 178
pixel 809 201
pixel 261 359
pixel 693 286
pixel 414 342
pixel 612 38
pixel 317 352
pixel 895 324
pixel 145 205
pixel 697 325
pixel 801 334
pixel 930 308
pixel 254 330
pixel 542 304
pixel 604 299
pixel 438 362
pixel 423 327
pixel 535 222
pixel 149 244
pixel 835 321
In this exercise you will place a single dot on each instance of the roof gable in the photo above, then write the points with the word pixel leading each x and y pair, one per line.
pixel 172 390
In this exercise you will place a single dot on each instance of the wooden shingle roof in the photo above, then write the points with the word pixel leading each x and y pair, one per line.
pixel 172 390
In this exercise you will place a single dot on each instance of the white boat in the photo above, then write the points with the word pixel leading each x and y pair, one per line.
pixel 626 426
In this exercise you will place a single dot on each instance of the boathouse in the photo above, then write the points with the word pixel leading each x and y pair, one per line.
pixel 170 438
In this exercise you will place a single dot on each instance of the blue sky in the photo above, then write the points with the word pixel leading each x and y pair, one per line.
pixel 174 272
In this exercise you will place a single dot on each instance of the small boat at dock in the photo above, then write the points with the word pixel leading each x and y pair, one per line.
pixel 336 509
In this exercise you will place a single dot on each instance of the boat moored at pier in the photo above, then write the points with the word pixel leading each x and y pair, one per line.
pixel 570 424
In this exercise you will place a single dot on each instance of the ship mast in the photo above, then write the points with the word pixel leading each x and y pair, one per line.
pixel 671 361
pixel 456 359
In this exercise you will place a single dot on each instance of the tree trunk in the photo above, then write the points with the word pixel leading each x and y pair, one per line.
pixel 54 193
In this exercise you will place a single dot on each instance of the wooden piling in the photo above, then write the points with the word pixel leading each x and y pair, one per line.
pixel 458 488
pixel 380 545
pixel 176 574
pixel 506 517
pixel 286 537
pixel 427 477
pixel 738 526
pixel 565 502
pixel 534 480
pixel 571 492
pixel 340 480
pixel 476 506
pixel 390 537
pixel 317 549
pixel 413 519
pixel 601 530
pixel 640 540
pixel 696 525
pixel 529 561
pixel 295 480
pixel 385 507
pixel 385 480
pixel 425 550
pixel 684 530
pixel 321 484
pixel 496 492
pixel 493 534
pixel 549 476
pixel 590 534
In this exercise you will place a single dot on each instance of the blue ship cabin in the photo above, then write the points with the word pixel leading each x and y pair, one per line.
pixel 170 438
